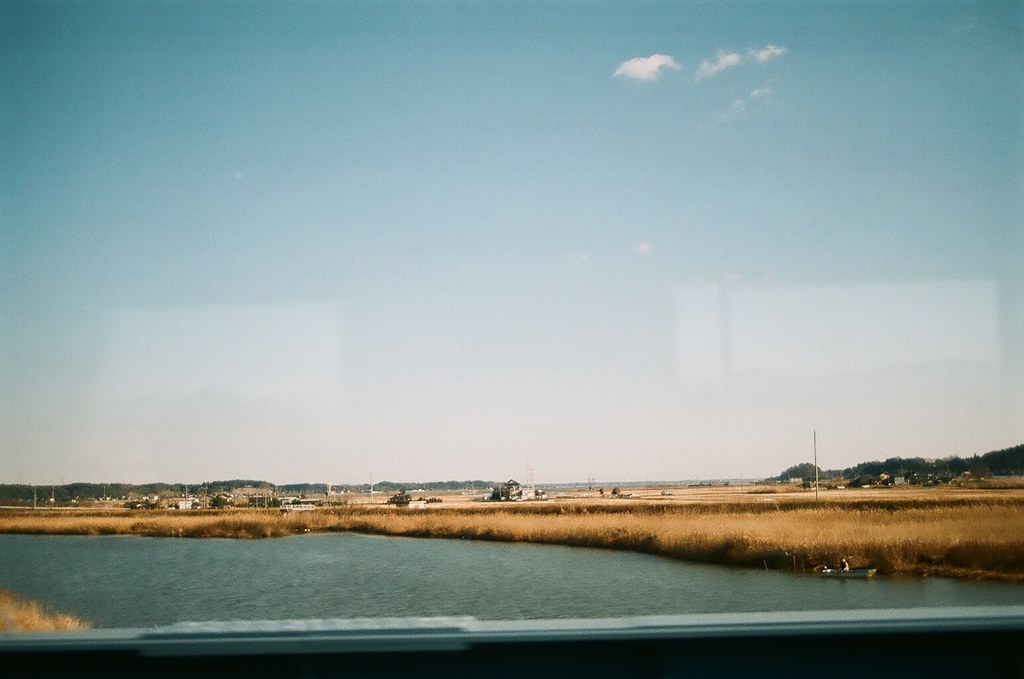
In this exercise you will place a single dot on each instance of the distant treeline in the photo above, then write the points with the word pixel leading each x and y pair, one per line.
pixel 476 484
pixel 63 494
pixel 67 493
pixel 383 487
pixel 1006 462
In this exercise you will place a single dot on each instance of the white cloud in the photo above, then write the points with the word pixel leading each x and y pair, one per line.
pixel 723 60
pixel 643 248
pixel 646 68
pixel 767 53
pixel 761 93
pixel 737 108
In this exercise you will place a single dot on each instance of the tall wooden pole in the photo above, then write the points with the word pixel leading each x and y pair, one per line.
pixel 815 443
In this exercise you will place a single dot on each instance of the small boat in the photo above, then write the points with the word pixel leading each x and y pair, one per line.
pixel 851 573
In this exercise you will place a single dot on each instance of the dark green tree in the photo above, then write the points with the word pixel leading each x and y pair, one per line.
pixel 803 471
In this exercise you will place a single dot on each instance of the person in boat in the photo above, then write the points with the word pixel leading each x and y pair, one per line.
pixel 843 565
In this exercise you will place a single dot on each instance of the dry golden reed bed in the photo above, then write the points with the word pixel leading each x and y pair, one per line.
pixel 18 614
pixel 979 536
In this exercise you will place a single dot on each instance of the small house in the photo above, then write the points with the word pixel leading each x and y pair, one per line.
pixel 511 490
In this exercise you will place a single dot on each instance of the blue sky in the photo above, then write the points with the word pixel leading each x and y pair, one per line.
pixel 354 241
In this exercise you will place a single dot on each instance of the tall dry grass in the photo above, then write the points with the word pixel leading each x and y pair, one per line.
pixel 19 614
pixel 228 524
pixel 975 540
pixel 961 537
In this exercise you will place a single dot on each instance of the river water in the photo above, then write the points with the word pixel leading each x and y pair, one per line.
pixel 128 581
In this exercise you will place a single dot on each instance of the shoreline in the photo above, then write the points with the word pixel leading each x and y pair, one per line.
pixel 976 537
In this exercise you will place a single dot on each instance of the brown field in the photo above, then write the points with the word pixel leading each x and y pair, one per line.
pixel 18 614
pixel 957 532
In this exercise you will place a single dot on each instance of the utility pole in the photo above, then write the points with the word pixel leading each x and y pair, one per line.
pixel 815 443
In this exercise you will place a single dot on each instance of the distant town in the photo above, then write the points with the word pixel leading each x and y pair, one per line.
pixel 1004 463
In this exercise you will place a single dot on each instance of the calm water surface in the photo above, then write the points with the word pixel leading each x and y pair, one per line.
pixel 127 581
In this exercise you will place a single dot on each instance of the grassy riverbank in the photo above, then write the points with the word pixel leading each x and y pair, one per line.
pixel 18 614
pixel 980 537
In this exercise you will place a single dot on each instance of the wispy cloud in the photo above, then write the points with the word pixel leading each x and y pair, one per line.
pixel 737 108
pixel 644 248
pixel 759 97
pixel 767 53
pixel 723 60
pixel 646 68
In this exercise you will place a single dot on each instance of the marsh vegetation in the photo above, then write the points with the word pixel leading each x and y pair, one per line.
pixel 20 614
pixel 961 535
